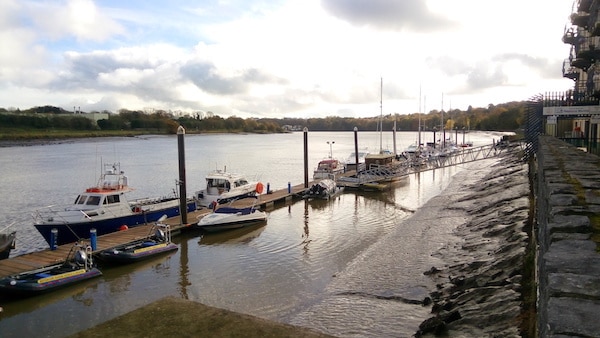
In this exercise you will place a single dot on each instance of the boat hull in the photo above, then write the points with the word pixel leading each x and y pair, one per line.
pixel 231 225
pixel 72 232
pixel 220 222
pixel 45 280
pixel 7 243
pixel 136 253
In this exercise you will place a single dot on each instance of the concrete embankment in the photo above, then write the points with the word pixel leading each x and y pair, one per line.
pixel 568 213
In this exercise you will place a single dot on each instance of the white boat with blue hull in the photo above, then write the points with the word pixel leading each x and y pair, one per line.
pixel 105 208
pixel 229 217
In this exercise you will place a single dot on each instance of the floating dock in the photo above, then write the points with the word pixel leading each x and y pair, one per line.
pixel 40 259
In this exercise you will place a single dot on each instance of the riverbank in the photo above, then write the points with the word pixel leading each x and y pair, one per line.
pixel 484 288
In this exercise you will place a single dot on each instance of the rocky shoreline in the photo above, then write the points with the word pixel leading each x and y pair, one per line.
pixel 480 287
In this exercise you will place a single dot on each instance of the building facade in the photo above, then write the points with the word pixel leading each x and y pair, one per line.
pixel 575 114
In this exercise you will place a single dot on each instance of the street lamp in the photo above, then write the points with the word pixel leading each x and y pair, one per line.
pixel 330 149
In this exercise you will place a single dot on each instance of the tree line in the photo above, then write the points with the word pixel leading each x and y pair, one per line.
pixel 502 117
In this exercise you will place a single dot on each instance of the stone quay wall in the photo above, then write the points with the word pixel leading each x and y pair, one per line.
pixel 568 219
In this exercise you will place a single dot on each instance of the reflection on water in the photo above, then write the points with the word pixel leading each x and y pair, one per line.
pixel 236 236
pixel 274 271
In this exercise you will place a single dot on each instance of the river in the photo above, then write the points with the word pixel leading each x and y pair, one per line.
pixel 275 271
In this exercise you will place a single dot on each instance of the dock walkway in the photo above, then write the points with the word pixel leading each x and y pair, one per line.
pixel 39 259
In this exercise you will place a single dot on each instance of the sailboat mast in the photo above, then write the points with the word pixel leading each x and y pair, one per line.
pixel 381 116
pixel 419 143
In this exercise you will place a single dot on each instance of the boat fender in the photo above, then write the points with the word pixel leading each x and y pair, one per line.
pixel 137 209
pixel 259 188
pixel 160 235
pixel 213 205
pixel 123 227
pixel 80 257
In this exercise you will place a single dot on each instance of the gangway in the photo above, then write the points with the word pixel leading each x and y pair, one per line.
pixel 464 155
pixel 417 163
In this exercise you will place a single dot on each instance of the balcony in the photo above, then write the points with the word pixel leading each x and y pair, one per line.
pixel 569 71
pixel 595 31
pixel 569 37
pixel 582 63
pixel 580 19
pixel 584 5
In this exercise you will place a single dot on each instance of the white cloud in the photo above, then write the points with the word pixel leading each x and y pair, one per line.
pixel 81 19
pixel 285 57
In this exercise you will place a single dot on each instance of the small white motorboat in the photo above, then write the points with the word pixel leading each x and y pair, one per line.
pixel 229 217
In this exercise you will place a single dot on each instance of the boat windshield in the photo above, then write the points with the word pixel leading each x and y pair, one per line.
pixel 240 182
pixel 217 183
pixel 93 200
pixel 110 199
pixel 80 199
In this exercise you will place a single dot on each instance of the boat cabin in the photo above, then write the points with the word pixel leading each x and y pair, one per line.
pixel 379 159
pixel 219 185
pixel 328 165
pixel 90 201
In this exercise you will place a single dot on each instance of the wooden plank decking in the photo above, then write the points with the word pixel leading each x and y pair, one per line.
pixel 40 259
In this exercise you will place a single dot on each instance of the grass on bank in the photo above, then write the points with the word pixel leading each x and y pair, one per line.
pixel 16 134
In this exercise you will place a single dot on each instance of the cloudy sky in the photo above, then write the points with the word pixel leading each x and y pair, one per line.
pixel 280 58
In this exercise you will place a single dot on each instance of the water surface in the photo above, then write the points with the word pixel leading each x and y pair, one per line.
pixel 274 271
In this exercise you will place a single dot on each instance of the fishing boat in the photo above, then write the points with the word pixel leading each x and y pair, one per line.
pixel 156 243
pixel 103 207
pixel 223 187
pixel 230 217
pixel 78 267
pixel 324 189
pixel 328 168
pixel 7 243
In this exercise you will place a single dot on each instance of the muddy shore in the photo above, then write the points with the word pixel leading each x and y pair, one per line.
pixel 480 286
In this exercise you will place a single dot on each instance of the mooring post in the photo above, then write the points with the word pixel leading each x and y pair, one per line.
pixel 305 157
pixel 93 239
pixel 53 239
pixel 356 147
pixel 182 189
